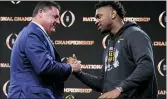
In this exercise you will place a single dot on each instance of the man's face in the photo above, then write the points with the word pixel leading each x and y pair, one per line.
pixel 50 18
pixel 103 19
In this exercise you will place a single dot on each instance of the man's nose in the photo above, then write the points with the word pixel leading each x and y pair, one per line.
pixel 96 22
pixel 58 21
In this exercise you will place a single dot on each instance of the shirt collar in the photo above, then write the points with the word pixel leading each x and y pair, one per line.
pixel 40 27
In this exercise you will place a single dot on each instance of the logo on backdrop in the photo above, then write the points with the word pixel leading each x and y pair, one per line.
pixel 89 19
pixel 4 65
pixel 70 96
pixel 136 19
pixel 162 19
pixel 159 43
pixel 73 42
pixel 162 92
pixel 10 40
pixel 5 87
pixel 77 90
pixel 15 18
pixel 162 67
pixel 15 2
pixel 67 18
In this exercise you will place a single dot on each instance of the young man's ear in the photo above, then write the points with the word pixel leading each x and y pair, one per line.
pixel 113 14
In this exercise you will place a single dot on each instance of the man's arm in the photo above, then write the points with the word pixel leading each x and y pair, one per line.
pixel 93 82
pixel 140 47
pixel 42 61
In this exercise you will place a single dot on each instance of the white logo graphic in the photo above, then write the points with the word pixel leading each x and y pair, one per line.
pixel 162 19
pixel 161 67
pixel 115 63
pixel 5 86
pixel 15 2
pixel 67 19
pixel 10 40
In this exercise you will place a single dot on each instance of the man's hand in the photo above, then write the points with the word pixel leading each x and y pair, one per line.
pixel 76 66
pixel 111 94
pixel 71 60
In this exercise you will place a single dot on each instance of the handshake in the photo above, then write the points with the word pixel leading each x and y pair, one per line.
pixel 75 64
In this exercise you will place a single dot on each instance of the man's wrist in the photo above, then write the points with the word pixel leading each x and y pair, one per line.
pixel 119 89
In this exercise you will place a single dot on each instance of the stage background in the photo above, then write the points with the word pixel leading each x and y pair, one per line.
pixel 78 35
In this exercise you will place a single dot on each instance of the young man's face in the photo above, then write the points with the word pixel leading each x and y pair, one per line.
pixel 103 19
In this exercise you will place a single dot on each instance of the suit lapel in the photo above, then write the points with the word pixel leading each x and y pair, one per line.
pixel 52 48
